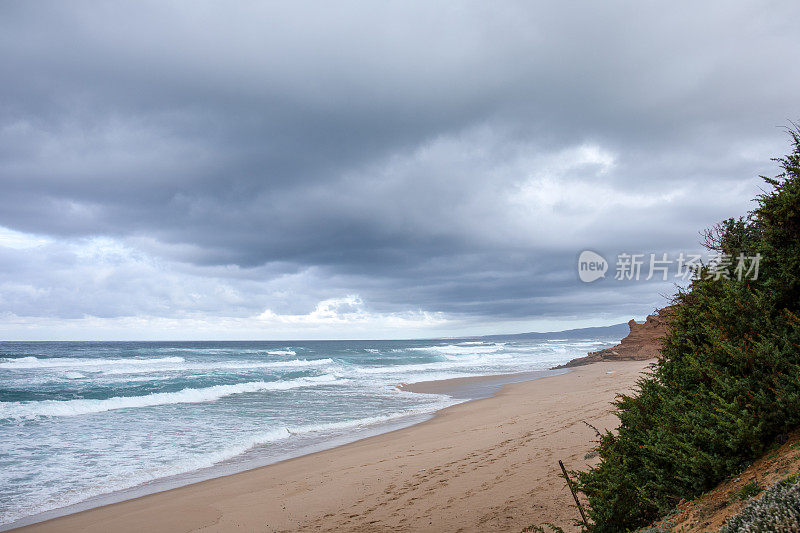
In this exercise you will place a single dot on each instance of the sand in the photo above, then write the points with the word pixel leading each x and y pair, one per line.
pixel 485 465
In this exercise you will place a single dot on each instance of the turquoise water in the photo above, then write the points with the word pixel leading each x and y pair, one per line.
pixel 78 420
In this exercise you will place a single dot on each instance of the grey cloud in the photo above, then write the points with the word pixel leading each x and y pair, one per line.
pixel 379 149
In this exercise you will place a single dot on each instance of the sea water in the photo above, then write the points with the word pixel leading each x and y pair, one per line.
pixel 80 420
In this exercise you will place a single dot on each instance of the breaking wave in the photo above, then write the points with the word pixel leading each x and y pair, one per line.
pixel 53 408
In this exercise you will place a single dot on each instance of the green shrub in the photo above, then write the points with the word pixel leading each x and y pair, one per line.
pixel 727 383
pixel 750 489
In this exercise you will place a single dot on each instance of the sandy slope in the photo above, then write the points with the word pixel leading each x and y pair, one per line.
pixel 488 465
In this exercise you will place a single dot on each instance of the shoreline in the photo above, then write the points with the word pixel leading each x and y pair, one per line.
pixel 461 389
pixel 473 388
pixel 461 457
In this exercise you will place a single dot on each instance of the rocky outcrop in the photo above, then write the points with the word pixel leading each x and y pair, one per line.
pixel 643 342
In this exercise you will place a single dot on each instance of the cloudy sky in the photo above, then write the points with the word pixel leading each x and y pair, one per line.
pixel 252 170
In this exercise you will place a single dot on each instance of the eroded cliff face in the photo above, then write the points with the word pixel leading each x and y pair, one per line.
pixel 643 342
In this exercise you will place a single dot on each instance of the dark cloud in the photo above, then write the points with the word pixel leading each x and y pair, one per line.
pixel 451 158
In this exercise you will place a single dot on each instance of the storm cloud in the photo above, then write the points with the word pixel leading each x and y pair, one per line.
pixel 184 169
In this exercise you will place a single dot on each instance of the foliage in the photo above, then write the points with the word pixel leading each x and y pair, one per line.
pixel 750 489
pixel 727 384
pixel 778 510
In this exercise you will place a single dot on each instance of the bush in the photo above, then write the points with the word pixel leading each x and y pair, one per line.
pixel 753 488
pixel 727 383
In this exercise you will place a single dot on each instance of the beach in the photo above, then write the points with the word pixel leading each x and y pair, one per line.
pixel 485 465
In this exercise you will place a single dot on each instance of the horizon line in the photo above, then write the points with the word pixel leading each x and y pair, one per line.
pixel 332 340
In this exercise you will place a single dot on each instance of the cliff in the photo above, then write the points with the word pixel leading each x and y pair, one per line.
pixel 642 342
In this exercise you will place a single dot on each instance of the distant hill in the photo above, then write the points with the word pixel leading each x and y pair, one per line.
pixel 616 331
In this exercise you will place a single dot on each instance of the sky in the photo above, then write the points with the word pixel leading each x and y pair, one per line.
pixel 312 170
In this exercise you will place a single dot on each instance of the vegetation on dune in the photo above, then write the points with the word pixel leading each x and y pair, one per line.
pixel 778 510
pixel 728 384
pixel 753 488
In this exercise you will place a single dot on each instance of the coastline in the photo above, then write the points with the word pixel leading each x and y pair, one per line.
pixel 461 390
pixel 473 466
pixel 474 388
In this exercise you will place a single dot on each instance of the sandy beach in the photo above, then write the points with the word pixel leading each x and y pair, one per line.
pixel 485 465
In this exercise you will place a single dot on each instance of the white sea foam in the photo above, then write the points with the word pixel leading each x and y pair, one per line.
pixel 55 408
pixel 403 369
pixel 127 479
pixel 571 344
pixel 192 366
pixel 282 352
pixel 199 437
pixel 286 364
pixel 455 349
pixel 23 363
pixel 69 366
pixel 471 366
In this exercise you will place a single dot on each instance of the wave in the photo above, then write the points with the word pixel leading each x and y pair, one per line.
pixel 456 349
pixel 222 365
pixel 572 343
pixel 60 408
pixel 23 363
pixel 475 365
pixel 215 351
pixel 128 479
pixel 282 352
pixel 292 363
pixel 92 367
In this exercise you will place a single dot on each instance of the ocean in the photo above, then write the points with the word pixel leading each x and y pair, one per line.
pixel 95 422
